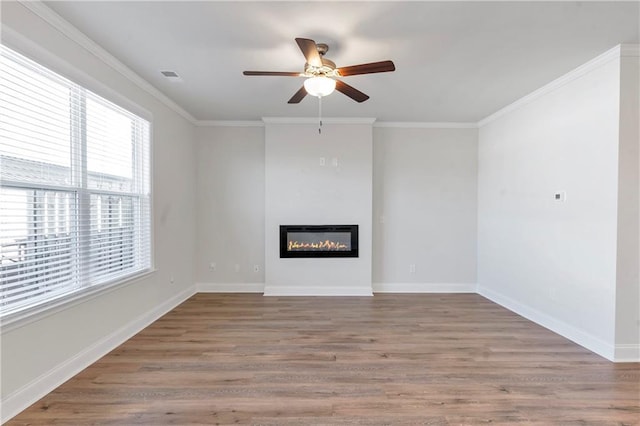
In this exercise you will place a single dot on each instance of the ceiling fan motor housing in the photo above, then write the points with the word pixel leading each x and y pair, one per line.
pixel 328 69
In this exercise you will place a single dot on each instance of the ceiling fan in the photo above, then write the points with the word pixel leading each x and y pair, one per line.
pixel 322 74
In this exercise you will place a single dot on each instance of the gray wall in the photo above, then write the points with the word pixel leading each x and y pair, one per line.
pixel 424 184
pixel 424 209
pixel 230 205
pixel 554 261
pixel 628 248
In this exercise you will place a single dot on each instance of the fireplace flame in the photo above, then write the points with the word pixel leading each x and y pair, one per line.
pixel 326 245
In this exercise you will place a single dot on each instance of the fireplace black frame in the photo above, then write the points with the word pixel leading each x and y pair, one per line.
pixel 352 229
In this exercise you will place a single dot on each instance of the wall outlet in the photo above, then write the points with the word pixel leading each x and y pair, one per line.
pixel 237 267
pixel 560 196
pixel 412 268
pixel 213 266
pixel 334 162
pixel 256 268
pixel 323 161
pixel 172 280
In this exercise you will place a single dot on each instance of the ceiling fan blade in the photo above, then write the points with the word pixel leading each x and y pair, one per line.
pixel 371 68
pixel 351 91
pixel 299 95
pixel 310 51
pixel 280 73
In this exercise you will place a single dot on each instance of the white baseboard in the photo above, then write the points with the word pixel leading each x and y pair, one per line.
pixel 424 287
pixel 33 391
pixel 316 291
pixel 627 353
pixel 572 333
pixel 230 287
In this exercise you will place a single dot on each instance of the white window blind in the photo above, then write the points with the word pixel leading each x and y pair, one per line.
pixel 75 190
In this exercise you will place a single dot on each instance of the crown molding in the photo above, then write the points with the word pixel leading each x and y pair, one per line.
pixel 425 125
pixel 336 120
pixel 229 123
pixel 314 120
pixel 75 35
pixel 598 61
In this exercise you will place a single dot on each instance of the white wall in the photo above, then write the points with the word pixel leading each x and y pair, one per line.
pixel 628 266
pixel 230 208
pixel 39 355
pixel 299 190
pixel 554 262
pixel 424 209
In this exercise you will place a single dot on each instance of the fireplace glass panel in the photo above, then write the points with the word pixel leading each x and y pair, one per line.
pixel 319 241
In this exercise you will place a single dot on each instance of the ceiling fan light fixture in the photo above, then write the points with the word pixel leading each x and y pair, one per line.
pixel 319 86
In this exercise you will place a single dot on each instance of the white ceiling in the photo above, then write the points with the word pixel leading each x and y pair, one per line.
pixel 455 61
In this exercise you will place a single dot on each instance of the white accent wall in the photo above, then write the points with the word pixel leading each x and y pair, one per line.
pixel 40 353
pixel 314 178
pixel 555 261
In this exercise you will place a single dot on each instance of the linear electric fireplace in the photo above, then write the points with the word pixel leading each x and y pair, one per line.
pixel 318 240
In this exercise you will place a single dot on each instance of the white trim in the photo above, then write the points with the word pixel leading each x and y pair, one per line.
pixel 314 120
pixel 627 353
pixel 75 35
pixel 425 125
pixel 581 337
pixel 274 290
pixel 229 287
pixel 597 62
pixel 424 287
pixel 33 391
pixel 229 123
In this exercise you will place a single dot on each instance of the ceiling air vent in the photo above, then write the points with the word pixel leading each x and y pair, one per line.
pixel 171 76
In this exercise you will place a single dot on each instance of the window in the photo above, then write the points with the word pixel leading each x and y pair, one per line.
pixel 74 188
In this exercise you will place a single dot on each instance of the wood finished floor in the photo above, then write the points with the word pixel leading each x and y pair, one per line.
pixel 389 359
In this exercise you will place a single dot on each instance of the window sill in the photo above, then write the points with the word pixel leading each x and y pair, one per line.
pixel 22 318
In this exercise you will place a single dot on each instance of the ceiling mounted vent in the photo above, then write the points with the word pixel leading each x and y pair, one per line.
pixel 172 76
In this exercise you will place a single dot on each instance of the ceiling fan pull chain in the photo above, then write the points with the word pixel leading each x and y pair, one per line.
pixel 320 114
